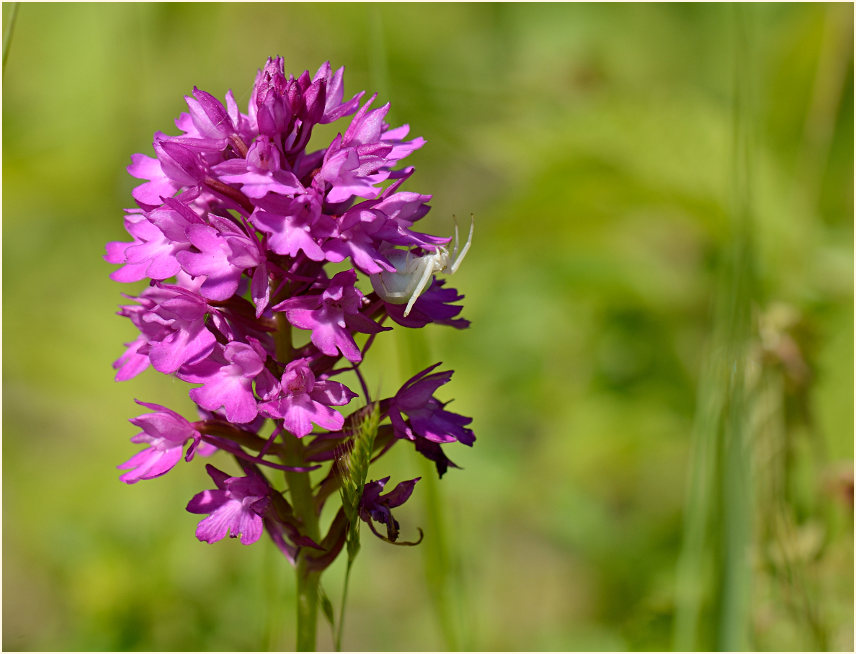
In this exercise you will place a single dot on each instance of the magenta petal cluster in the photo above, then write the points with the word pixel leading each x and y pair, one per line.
pixel 301 400
pixel 237 505
pixel 166 433
pixel 333 316
pixel 227 378
pixel 256 246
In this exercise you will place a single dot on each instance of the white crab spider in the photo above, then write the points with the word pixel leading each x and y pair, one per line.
pixel 413 273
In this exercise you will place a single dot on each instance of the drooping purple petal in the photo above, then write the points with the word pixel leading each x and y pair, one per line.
pixel 377 507
pixel 426 417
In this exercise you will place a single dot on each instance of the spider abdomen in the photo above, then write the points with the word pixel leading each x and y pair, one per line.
pixel 397 287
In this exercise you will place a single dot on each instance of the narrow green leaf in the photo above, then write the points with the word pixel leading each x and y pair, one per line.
pixel 327 609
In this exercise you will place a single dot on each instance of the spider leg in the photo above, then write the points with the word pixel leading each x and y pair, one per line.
pixel 456 261
pixel 429 270
pixel 456 242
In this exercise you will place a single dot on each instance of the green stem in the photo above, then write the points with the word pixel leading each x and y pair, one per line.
pixel 300 486
pixel 284 349
pixel 307 606
pixel 303 502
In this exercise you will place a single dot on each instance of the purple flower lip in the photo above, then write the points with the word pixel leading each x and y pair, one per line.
pixel 332 316
pixel 237 506
pixel 222 254
pixel 301 400
pixel 227 380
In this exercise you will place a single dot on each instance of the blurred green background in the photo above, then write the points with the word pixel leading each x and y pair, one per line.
pixel 660 364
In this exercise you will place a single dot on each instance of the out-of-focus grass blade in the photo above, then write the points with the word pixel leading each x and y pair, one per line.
pixel 7 35
pixel 713 573
pixel 414 356
pixel 438 561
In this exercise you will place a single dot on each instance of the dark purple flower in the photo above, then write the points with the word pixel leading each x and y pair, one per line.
pixel 377 507
pixel 433 306
pixel 302 400
pixel 426 417
pixel 238 505
pixel 166 433
pixel 433 452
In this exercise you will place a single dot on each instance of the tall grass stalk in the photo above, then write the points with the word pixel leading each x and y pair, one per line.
pixel 830 81
pixel 378 59
pixel 414 355
pixel 713 572
pixel 10 29
pixel 439 562
pixel 273 584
